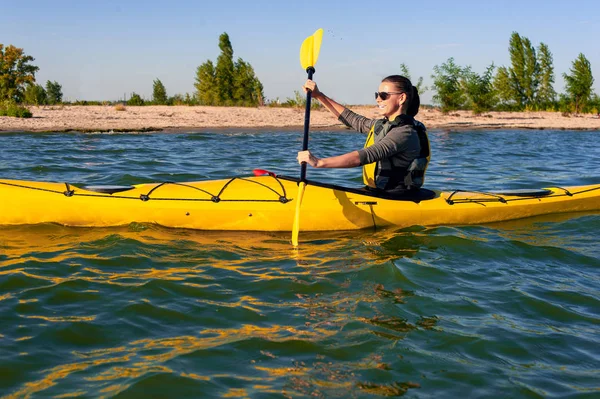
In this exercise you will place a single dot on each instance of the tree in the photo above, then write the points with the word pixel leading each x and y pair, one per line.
pixel 446 83
pixel 531 78
pixel 54 92
pixel 135 99
pixel 579 83
pixel 247 89
pixel 524 70
pixel 9 108
pixel 159 93
pixel 546 94
pixel 177 99
pixel 228 83
pixel 406 73
pixel 206 85
pixel 259 94
pixel 189 100
pixel 35 95
pixel 504 89
pixel 16 73
pixel 594 104
pixel 479 89
pixel 524 73
pixel 224 71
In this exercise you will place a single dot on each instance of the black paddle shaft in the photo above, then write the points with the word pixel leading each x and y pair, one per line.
pixel 310 71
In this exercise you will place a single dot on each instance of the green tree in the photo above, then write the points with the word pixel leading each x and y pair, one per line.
pixel 546 96
pixel 247 89
pixel 446 83
pixel 504 89
pixel 594 104
pixel 404 71
pixel 479 89
pixel 224 71
pixel 35 95
pixel 10 108
pixel 579 83
pixel 159 93
pixel 524 72
pixel 177 99
pixel 190 99
pixel 16 73
pixel 228 83
pixel 531 80
pixel 54 92
pixel 135 99
pixel 206 85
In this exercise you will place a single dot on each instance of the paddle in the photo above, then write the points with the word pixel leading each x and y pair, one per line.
pixel 309 53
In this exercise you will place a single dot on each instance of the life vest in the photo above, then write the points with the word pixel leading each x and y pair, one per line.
pixel 385 174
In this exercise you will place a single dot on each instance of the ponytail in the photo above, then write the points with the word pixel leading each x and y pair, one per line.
pixel 415 103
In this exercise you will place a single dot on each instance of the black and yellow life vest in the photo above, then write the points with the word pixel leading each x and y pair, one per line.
pixel 385 174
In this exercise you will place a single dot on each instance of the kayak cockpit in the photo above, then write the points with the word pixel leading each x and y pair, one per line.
pixel 108 189
pixel 523 192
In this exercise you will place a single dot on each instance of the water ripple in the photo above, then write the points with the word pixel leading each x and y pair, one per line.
pixel 509 309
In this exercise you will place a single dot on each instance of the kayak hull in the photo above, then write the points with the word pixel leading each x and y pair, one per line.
pixel 267 203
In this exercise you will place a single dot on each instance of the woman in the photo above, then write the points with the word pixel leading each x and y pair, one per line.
pixel 396 152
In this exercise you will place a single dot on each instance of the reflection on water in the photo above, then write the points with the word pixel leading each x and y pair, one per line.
pixel 142 305
pixel 226 291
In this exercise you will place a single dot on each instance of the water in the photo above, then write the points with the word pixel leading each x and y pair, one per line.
pixel 504 310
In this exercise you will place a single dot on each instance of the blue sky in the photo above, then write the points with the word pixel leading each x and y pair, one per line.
pixel 103 50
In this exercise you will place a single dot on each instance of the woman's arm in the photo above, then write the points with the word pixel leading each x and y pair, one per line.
pixel 349 160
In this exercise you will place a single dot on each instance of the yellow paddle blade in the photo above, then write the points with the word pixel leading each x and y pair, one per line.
pixel 309 51
pixel 296 226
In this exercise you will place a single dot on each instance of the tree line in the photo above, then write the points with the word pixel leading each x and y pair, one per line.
pixel 224 83
pixel 526 85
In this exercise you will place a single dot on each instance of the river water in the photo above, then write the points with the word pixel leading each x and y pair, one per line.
pixel 504 310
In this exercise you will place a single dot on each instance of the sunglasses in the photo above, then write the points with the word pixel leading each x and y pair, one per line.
pixel 384 95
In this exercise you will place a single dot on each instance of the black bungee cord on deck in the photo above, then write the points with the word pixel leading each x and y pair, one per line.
pixel 70 192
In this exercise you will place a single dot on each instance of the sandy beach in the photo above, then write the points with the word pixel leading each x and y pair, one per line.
pixel 199 118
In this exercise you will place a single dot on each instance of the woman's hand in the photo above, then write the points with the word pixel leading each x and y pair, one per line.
pixel 312 87
pixel 306 156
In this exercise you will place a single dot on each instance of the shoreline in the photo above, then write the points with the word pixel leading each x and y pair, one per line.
pixel 202 119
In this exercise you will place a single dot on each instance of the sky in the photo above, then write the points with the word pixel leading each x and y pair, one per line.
pixel 105 50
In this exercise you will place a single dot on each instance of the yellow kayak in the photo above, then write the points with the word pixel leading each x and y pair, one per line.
pixel 267 203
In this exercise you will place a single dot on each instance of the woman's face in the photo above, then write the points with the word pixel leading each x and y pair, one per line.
pixel 391 107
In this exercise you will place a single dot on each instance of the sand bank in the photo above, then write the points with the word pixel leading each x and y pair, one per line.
pixel 199 118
